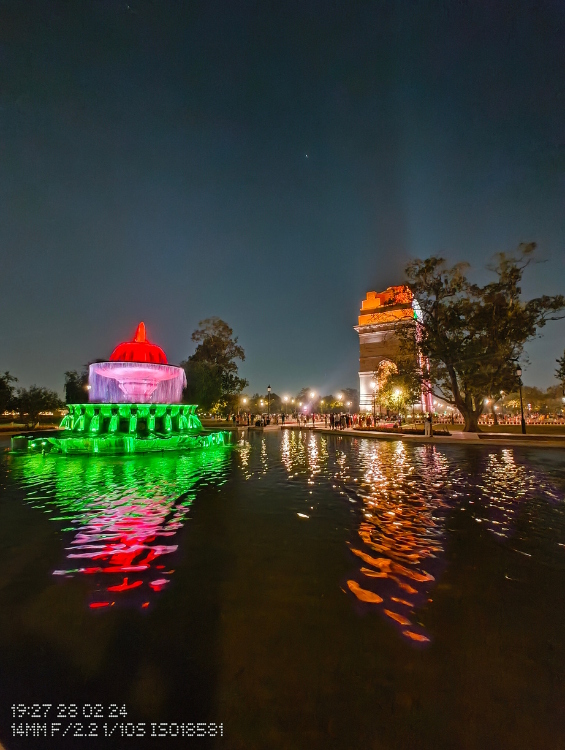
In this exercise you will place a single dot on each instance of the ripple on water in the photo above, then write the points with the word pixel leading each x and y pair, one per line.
pixel 123 515
pixel 402 497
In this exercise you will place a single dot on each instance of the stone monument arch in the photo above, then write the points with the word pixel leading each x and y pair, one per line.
pixel 380 315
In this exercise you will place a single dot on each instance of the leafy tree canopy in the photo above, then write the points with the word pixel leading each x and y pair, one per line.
pixel 212 375
pixel 30 402
pixel 6 391
pixel 204 384
pixel 471 335
pixel 400 387
pixel 351 395
pixel 304 395
pixel 560 372
pixel 75 387
pixel 258 404
pixel 331 402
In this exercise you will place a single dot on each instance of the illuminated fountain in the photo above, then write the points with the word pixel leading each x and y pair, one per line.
pixel 134 407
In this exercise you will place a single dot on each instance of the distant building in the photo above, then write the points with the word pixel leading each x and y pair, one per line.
pixel 380 315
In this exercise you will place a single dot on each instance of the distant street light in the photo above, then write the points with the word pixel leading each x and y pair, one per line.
pixel 519 374
pixel 312 394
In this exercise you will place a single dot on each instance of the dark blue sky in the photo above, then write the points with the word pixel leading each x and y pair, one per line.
pixel 266 162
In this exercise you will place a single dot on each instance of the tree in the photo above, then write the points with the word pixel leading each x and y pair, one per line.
pixel 254 406
pixel 351 395
pixel 6 391
pixel 492 402
pixel 401 388
pixel 212 372
pixel 76 391
pixel 204 384
pixel 560 372
pixel 471 336
pixel 30 402
pixel 303 395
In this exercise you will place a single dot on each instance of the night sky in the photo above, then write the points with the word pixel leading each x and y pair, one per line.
pixel 266 162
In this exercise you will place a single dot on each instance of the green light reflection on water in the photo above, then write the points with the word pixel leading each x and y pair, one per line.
pixel 124 511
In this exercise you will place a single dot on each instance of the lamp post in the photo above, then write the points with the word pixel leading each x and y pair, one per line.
pixel 269 402
pixel 519 374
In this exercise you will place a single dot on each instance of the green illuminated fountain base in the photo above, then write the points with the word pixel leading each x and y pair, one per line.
pixel 124 428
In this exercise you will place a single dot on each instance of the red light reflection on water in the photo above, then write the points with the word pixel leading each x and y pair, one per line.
pixel 125 540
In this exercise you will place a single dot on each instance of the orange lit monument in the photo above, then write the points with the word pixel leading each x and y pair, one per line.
pixel 380 315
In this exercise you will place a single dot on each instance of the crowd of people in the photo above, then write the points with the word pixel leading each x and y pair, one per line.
pixel 340 421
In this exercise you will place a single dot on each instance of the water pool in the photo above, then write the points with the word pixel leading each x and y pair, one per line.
pixel 301 590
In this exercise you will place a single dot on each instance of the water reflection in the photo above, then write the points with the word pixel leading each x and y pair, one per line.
pixel 125 514
pixel 401 497
pixel 294 452
pixel 244 453
pixel 401 530
pixel 504 485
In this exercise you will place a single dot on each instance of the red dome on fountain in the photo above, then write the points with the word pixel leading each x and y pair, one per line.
pixel 136 373
pixel 139 350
